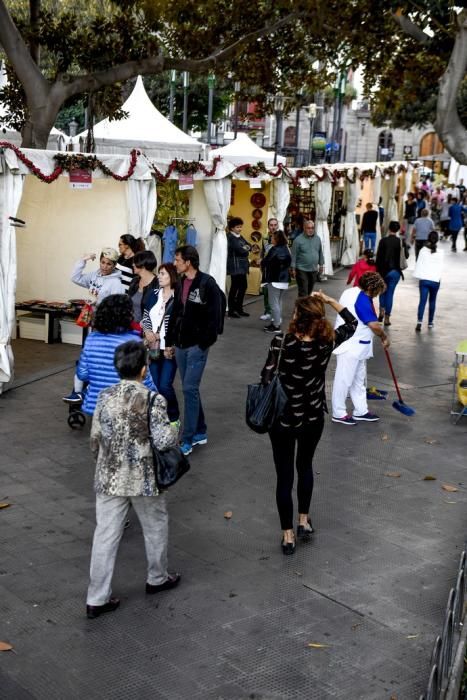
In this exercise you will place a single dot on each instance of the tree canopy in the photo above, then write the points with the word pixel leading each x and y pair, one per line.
pixel 413 54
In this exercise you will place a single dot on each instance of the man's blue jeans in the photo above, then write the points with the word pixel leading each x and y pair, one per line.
pixel 386 299
pixel 191 362
pixel 427 288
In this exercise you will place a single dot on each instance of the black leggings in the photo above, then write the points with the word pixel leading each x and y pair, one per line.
pixel 283 441
pixel 238 288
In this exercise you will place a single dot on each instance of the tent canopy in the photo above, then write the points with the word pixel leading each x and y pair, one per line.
pixel 243 150
pixel 145 128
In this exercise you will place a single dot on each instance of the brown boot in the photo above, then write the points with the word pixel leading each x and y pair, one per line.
pixel 387 320
pixel 381 315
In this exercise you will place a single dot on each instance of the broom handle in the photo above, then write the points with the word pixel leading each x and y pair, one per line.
pixel 393 375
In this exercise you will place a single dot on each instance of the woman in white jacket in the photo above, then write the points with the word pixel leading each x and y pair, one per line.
pixel 428 269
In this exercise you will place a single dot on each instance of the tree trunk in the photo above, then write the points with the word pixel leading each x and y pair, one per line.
pixel 448 125
pixel 37 128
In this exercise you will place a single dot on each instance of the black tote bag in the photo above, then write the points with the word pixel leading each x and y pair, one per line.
pixel 169 464
pixel 265 403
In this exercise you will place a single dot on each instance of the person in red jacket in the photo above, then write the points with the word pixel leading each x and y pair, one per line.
pixel 365 264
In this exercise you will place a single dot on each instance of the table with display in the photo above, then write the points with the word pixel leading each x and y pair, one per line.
pixel 51 314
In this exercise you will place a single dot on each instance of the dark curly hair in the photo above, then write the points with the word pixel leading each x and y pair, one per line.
pixel 114 314
pixel 310 319
pixel 373 283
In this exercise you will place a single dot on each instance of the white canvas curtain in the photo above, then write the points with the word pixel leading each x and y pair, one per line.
pixel 142 205
pixel 217 194
pixel 280 199
pixel 391 212
pixel 11 187
pixel 352 242
pixel 376 196
pixel 323 196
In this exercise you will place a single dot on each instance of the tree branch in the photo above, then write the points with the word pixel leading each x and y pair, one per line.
pixel 448 124
pixel 156 64
pixel 410 28
pixel 18 55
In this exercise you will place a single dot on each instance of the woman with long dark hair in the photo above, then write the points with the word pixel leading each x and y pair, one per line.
pixel 156 317
pixel 143 283
pixel 128 246
pixel 304 355
pixel 428 270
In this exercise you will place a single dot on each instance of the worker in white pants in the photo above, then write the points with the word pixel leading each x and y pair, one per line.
pixel 350 377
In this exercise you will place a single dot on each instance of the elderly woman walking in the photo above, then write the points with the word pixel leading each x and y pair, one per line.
pixel 125 475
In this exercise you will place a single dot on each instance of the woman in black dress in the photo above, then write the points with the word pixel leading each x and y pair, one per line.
pixel 306 350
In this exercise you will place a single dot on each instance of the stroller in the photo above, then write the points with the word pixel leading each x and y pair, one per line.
pixel 76 418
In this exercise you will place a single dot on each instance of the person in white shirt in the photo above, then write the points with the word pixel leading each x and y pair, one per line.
pixel 428 270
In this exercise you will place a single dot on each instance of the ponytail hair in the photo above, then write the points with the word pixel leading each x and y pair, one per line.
pixel 432 241
pixel 309 319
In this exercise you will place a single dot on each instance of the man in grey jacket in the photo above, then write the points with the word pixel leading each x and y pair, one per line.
pixel 307 259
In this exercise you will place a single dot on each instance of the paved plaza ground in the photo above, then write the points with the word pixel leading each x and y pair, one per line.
pixel 371 587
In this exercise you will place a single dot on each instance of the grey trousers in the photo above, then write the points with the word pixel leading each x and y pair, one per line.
pixel 275 302
pixel 111 513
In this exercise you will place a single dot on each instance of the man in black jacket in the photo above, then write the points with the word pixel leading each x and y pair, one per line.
pixel 193 327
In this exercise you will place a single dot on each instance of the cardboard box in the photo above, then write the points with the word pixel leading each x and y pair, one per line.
pixel 32 327
pixel 70 332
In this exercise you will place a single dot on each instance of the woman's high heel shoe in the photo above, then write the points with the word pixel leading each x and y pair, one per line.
pixel 304 532
pixel 287 547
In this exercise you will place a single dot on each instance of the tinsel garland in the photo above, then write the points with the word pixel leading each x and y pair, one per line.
pixel 69 161
pixel 186 167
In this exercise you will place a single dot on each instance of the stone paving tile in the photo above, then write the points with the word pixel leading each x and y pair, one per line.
pixel 379 569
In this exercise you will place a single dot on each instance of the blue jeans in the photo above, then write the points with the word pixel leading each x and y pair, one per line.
pixel 386 299
pixel 163 373
pixel 369 240
pixel 427 289
pixel 191 362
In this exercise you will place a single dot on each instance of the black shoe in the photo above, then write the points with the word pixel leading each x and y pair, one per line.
pixel 233 314
pixel 242 313
pixel 418 327
pixel 272 328
pixel 93 611
pixel 287 547
pixel 304 533
pixel 172 581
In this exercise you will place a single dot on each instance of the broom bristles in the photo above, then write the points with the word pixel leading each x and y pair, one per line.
pixel 403 408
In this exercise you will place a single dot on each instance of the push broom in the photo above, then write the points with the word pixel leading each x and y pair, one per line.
pixel 399 405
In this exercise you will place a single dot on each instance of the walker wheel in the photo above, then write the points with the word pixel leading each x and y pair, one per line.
pixel 76 420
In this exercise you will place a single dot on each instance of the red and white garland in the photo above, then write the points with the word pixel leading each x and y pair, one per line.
pixel 69 161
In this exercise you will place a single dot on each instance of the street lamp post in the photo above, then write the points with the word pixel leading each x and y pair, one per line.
pixel 186 85
pixel 278 111
pixel 173 78
pixel 237 86
pixel 211 86
pixel 312 109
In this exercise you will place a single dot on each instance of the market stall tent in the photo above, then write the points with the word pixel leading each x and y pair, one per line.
pixel 144 128
pixel 243 150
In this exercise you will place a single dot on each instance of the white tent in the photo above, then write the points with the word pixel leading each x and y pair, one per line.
pixel 243 150
pixel 145 128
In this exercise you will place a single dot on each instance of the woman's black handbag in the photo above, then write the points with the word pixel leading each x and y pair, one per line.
pixel 265 403
pixel 169 464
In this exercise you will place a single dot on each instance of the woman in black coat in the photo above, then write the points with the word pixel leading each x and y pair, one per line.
pixel 275 267
pixel 238 250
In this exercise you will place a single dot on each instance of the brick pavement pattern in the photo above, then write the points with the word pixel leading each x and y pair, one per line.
pixel 372 586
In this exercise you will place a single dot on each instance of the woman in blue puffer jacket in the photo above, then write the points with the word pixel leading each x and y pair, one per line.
pixel 112 327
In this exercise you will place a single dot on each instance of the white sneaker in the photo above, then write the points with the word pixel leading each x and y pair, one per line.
pixel 265 317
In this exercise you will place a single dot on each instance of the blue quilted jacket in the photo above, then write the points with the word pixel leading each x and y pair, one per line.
pixel 96 364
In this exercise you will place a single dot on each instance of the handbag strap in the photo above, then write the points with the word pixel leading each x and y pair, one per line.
pixel 276 371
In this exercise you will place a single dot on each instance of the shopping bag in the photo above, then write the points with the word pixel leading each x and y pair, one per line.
pixel 85 318
pixel 265 404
